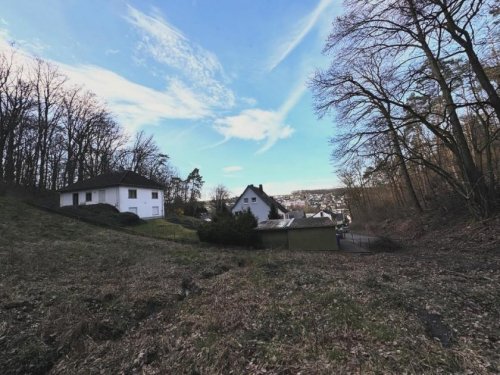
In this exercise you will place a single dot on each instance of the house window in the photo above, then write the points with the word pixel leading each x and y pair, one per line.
pixel 254 200
pixel 88 197
pixel 245 200
pixel 156 211
pixel 132 194
pixel 133 210
pixel 154 195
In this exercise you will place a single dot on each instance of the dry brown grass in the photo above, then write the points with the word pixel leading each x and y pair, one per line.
pixel 77 299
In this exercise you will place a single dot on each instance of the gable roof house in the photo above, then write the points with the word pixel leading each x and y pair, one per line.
pixel 258 202
pixel 337 217
pixel 126 190
pixel 325 213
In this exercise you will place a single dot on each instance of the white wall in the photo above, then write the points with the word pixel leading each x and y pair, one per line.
pixel 325 214
pixel 144 202
pixel 65 199
pixel 259 208
pixel 110 197
pixel 118 197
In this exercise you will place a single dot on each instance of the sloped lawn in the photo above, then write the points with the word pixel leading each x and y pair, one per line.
pixel 79 299
pixel 161 228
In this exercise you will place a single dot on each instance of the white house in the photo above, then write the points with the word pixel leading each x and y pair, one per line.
pixel 258 202
pixel 337 217
pixel 325 213
pixel 126 190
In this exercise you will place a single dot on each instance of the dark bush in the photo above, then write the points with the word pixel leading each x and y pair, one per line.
pixel 226 229
pixel 128 218
pixel 102 214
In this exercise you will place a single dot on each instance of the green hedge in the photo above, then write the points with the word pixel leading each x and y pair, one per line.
pixel 102 214
pixel 226 229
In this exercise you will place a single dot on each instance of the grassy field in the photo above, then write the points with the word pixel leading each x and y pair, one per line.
pixel 174 228
pixel 161 228
pixel 77 299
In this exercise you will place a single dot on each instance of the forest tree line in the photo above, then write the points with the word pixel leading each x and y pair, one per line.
pixel 53 133
pixel 414 86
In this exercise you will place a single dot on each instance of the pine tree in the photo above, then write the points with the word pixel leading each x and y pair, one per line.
pixel 273 213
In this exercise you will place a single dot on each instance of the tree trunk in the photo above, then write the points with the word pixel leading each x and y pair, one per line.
pixel 466 43
pixel 477 190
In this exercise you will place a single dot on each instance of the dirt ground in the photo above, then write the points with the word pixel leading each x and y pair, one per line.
pixel 78 299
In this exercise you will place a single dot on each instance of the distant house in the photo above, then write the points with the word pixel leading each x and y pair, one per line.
pixel 336 217
pixel 325 213
pixel 298 234
pixel 258 202
pixel 126 190
pixel 297 214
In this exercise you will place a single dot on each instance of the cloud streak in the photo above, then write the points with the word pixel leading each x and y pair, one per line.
pixel 298 34
pixel 170 47
pixel 232 169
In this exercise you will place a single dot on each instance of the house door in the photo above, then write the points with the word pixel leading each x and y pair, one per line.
pixel 75 199
pixel 102 196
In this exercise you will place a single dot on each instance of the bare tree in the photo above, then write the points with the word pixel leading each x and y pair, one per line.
pixel 219 196
pixel 405 59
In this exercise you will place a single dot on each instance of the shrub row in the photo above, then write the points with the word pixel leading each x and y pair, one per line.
pixel 102 214
pixel 226 229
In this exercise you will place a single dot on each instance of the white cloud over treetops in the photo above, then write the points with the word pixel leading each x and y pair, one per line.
pixel 133 104
pixel 194 93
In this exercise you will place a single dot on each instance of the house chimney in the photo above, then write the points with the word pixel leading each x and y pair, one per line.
pixel 260 188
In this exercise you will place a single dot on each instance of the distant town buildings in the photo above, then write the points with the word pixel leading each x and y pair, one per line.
pixel 310 202
pixel 313 200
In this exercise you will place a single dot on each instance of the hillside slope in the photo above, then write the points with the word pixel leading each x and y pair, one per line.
pixel 77 299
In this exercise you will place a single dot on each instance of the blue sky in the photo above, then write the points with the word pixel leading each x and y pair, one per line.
pixel 221 84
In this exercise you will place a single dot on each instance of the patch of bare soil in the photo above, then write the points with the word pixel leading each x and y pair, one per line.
pixel 76 299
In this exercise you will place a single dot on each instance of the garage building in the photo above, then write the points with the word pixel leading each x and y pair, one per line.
pixel 298 234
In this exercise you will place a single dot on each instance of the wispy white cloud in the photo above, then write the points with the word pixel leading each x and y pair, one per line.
pixel 293 39
pixel 260 125
pixel 4 35
pixel 248 101
pixel 199 68
pixel 33 46
pixel 137 105
pixel 255 125
pixel 133 104
pixel 232 169
pixel 111 51
pixel 292 99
